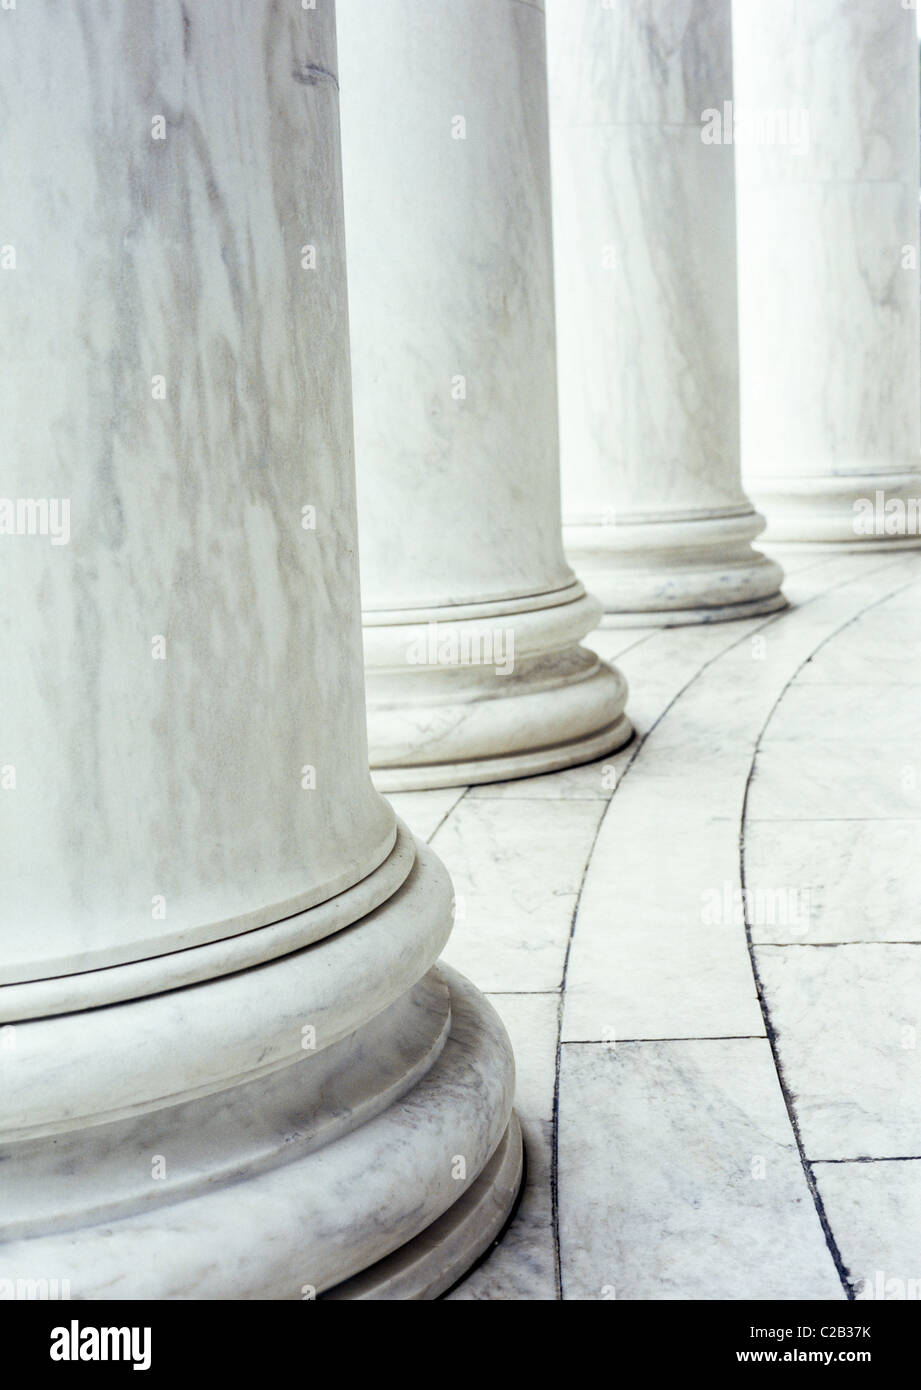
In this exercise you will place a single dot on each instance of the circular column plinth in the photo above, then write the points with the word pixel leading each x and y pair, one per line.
pixel 430 1264
pixel 665 573
pixel 262 1153
pixel 844 512
pixel 488 692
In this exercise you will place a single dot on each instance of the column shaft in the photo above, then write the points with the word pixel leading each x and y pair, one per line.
pixel 654 512
pixel 282 1089
pixel 828 168
pixel 472 616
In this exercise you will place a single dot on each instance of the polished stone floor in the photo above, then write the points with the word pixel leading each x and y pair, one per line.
pixel 707 951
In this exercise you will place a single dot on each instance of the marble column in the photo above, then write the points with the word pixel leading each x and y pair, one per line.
pixel 655 517
pixel 472 618
pixel 828 172
pixel 230 1066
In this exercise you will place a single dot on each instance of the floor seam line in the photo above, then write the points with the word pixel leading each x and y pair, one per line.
pixel 806 1165
pixel 703 1037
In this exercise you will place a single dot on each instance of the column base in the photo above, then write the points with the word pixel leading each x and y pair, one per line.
pixel 375 1163
pixel 667 573
pixel 432 1263
pixel 458 696
pixel 848 512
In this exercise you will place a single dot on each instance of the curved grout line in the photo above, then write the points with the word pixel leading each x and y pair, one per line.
pixel 808 1173
pixel 866 1158
pixel 637 745
pixel 449 812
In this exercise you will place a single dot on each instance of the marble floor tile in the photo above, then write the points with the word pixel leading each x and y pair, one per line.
pixel 517 868
pixel 862 663
pixel 661 1138
pixel 694 782
pixel 821 612
pixel 834 880
pixel 825 781
pixel 795 563
pixel 679 1177
pixel 589 782
pixel 847 1021
pixel 674 656
pixel 903 603
pixel 722 712
pixel 424 811
pixel 524 1265
pixel 877 648
pixel 874 1210
pixel 817 574
pixel 612 643
pixel 812 713
pixel 659 948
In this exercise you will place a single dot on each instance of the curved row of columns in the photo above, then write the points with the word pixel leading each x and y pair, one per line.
pixel 231 1068
pixel 231 1065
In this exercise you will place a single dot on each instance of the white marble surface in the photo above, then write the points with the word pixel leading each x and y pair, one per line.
pixel 644 225
pixel 830 713
pixel 661 667
pixel 446 163
pixel 80 1068
pixel 828 263
pixel 523 1267
pixel 859 876
pixel 877 652
pixel 278 1116
pixel 590 782
pixel 425 811
pixel 879 781
pixel 661 1147
pixel 650 959
pixel 139 778
pixel 466 289
pixel 849 1039
pixel 316 1220
pixel 659 1143
pixel 516 867
pixel 281 1090
pixel 875 1212
pixel 430 1264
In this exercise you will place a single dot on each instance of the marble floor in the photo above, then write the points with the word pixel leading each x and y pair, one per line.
pixel 707 951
